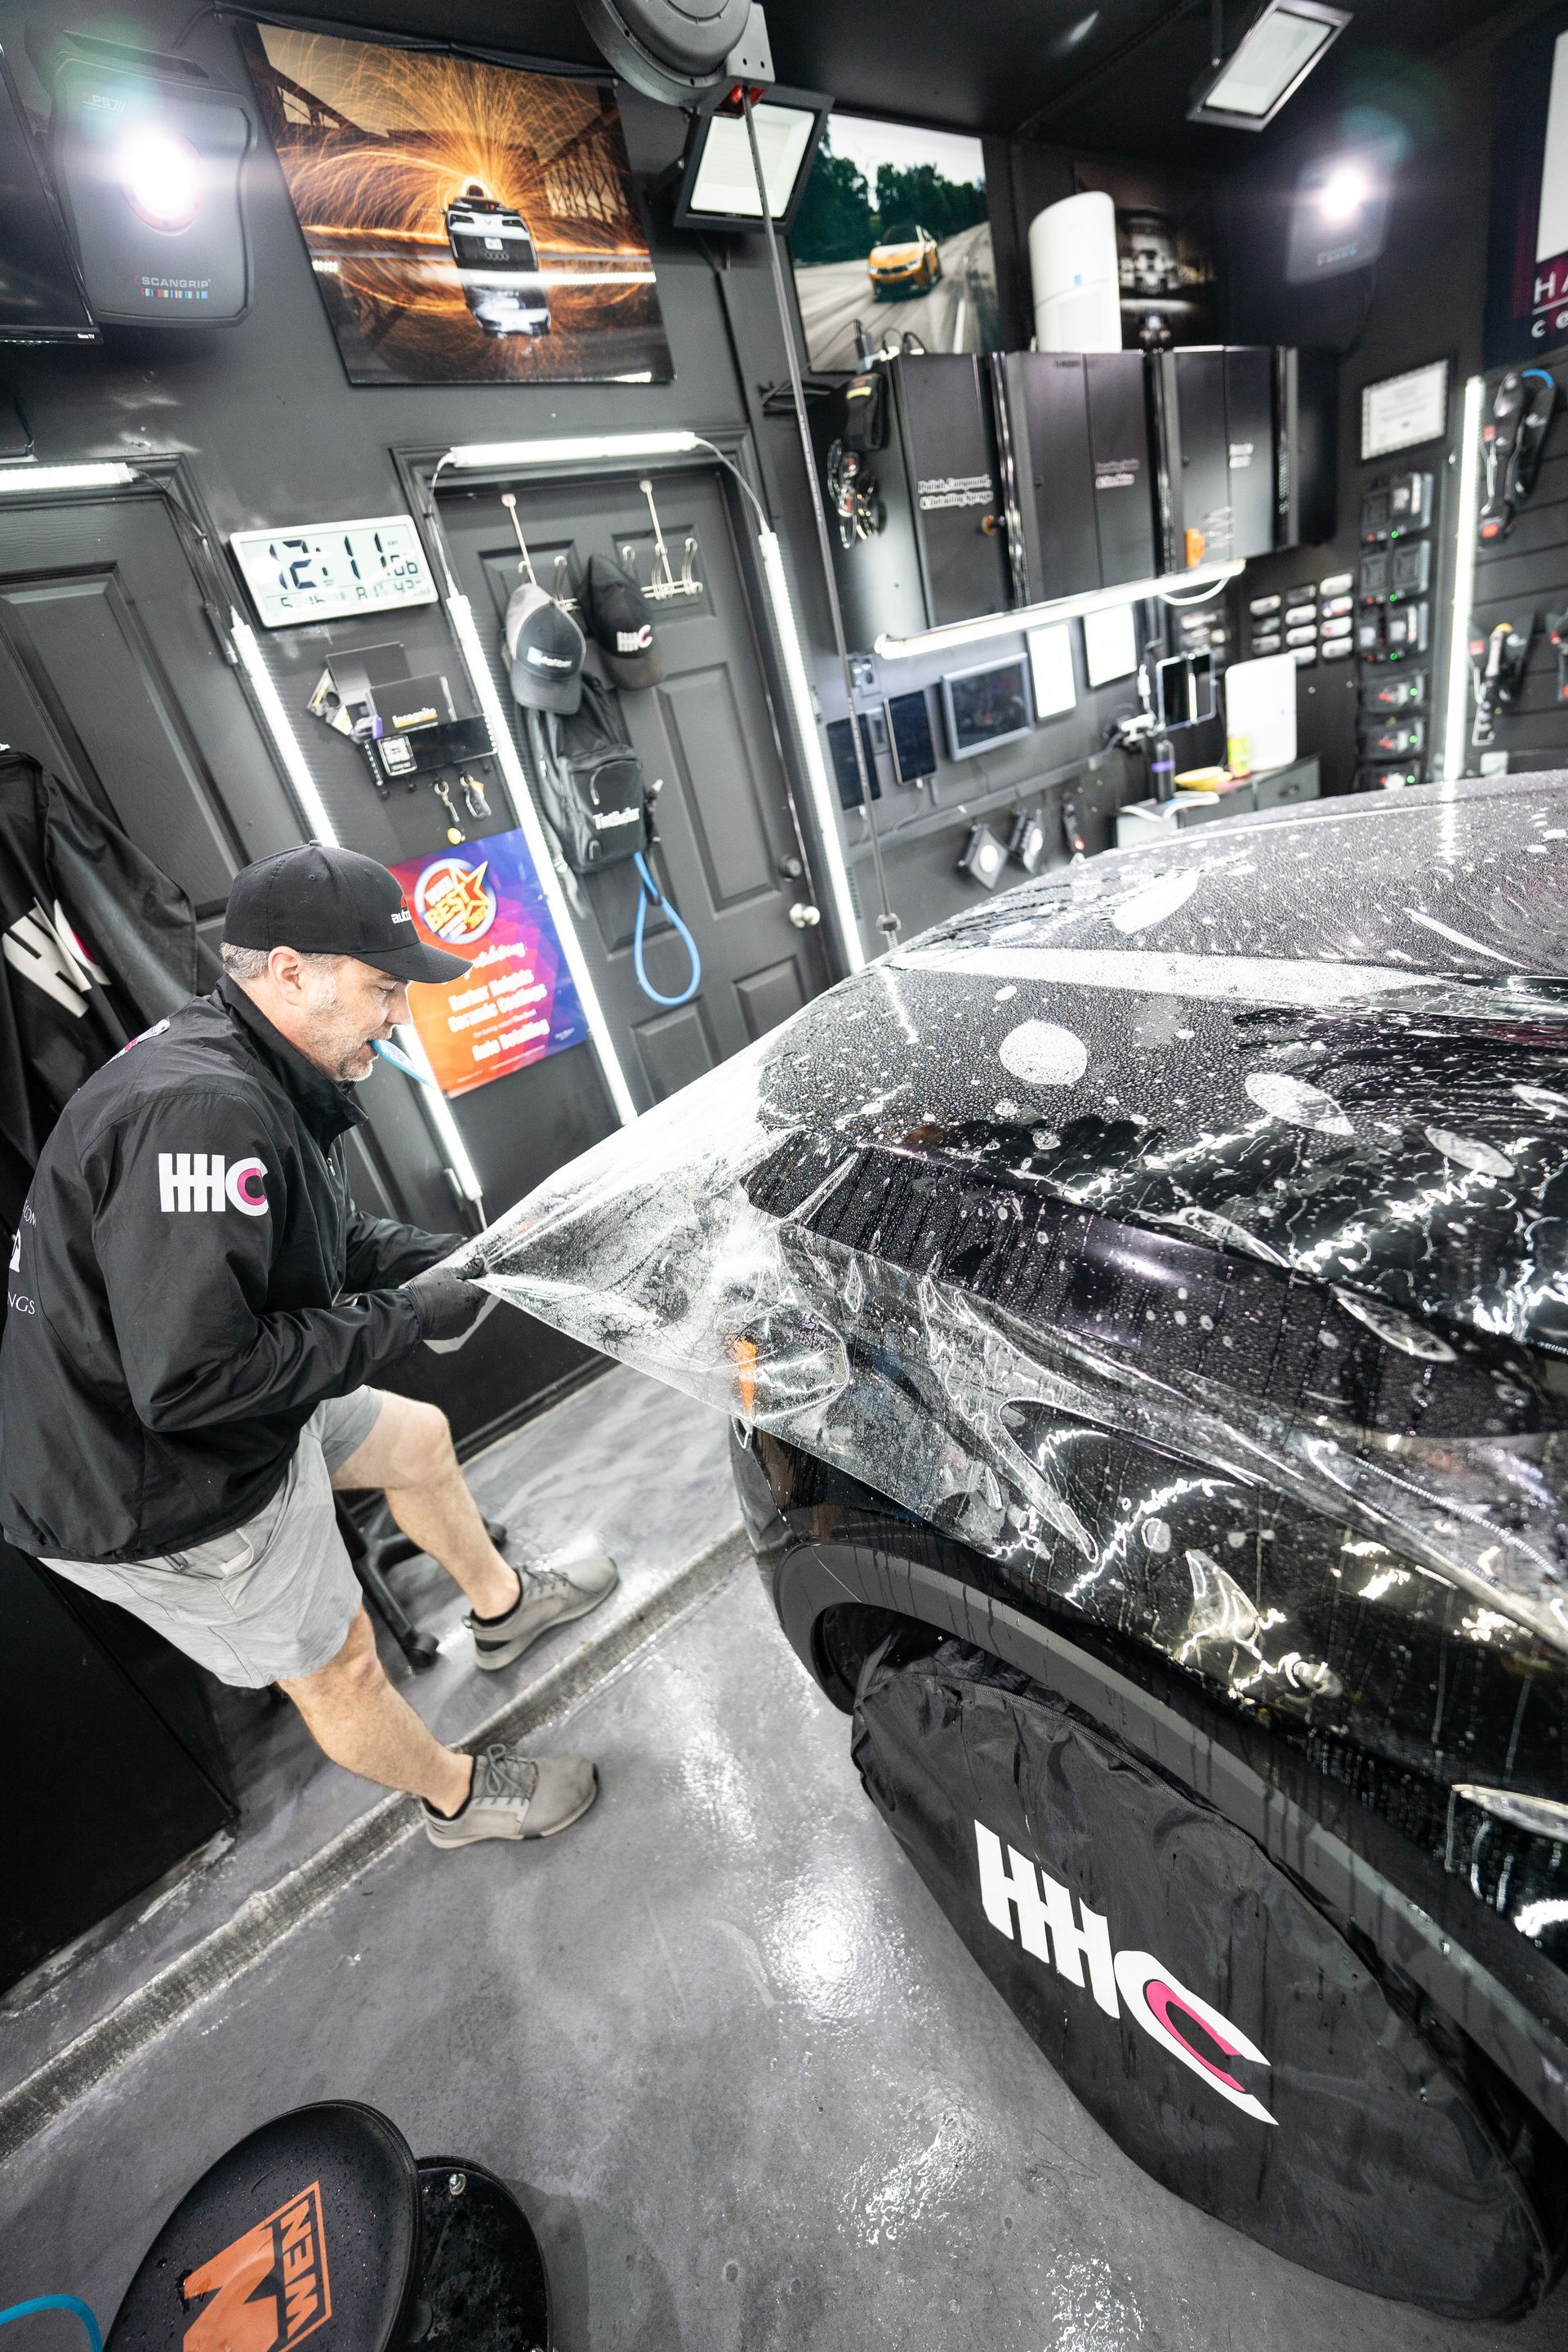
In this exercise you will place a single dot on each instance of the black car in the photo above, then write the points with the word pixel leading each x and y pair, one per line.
pixel 1144 1304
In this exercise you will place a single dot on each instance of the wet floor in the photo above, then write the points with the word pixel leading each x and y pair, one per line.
pixel 748 2084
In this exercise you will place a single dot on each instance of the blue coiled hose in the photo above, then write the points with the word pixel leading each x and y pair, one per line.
pixel 83 2311
pixel 650 895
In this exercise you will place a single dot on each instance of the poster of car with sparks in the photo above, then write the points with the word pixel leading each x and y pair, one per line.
pixel 517 1001
pixel 467 223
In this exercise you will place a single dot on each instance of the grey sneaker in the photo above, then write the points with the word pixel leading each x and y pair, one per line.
pixel 550 1596
pixel 518 1796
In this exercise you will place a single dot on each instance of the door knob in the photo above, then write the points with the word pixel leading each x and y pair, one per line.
pixel 804 915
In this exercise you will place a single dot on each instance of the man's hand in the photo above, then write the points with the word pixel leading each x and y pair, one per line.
pixel 448 1307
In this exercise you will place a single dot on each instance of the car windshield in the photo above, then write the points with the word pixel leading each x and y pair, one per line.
pixel 901 233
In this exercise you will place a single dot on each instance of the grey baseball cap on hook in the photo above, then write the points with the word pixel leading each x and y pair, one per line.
pixel 321 901
pixel 545 648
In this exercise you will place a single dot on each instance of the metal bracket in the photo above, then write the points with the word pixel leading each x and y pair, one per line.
pixel 662 584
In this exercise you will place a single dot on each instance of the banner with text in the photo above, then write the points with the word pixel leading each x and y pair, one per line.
pixel 517 1001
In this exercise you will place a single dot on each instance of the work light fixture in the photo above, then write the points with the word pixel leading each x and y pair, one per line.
pixel 1269 64
pixel 716 187
pixel 1457 715
pixel 579 449
pixel 1207 577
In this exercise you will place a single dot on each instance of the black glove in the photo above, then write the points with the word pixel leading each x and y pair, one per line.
pixel 448 1307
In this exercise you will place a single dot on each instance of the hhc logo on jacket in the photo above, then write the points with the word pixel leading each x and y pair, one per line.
pixel 203 1180
pixel 1047 1929
pixel 269 2290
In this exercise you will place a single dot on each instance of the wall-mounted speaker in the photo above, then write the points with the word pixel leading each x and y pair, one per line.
pixel 149 152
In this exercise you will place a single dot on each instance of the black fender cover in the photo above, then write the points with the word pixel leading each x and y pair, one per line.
pixel 1211 2018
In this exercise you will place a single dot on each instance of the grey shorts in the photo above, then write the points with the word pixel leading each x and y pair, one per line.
pixel 274 1598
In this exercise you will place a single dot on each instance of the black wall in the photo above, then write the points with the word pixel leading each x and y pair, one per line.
pixel 1424 299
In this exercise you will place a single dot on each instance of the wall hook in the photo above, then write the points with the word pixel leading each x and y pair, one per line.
pixel 663 582
pixel 509 500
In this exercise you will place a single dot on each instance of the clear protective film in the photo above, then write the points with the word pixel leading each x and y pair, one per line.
pixel 1241 1159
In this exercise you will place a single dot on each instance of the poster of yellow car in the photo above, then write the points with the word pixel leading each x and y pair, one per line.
pixel 905 260
pixel 892 237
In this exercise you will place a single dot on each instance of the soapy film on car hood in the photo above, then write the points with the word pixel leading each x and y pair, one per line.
pixel 1249 1148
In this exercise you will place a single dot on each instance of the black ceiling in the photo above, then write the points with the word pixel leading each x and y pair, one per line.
pixel 1111 77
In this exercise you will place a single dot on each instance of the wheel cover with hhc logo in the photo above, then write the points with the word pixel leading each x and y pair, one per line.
pixel 1213 2020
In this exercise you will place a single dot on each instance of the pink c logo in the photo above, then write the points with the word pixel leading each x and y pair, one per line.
pixel 1150 1997
pixel 246 1188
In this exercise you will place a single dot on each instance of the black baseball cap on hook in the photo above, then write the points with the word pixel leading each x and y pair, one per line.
pixel 618 618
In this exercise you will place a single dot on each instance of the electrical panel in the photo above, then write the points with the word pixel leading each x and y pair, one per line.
pixel 921 538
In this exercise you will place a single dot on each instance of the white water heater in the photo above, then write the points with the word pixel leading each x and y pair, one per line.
pixel 1074 274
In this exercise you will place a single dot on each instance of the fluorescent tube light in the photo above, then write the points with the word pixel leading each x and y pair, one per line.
pixel 307 791
pixel 1270 64
pixel 822 797
pixel 1065 608
pixel 1456 724
pixel 439 1111
pixel 483 682
pixel 574 450
pixel 108 475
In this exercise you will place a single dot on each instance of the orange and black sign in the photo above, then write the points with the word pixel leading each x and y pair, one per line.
pixel 269 2290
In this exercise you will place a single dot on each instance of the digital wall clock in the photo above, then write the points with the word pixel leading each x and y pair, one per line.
pixel 328 571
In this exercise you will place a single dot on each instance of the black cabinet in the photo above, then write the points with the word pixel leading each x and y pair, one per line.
pixel 1083 477
pixel 110 1756
pixel 935 546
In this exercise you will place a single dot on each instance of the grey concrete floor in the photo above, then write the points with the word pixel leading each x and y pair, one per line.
pixel 624 1465
pixel 745 2079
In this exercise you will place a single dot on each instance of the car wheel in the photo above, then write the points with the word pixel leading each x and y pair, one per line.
pixel 1240 2044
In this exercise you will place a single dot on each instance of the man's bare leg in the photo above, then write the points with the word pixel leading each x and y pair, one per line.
pixel 410 1455
pixel 355 1717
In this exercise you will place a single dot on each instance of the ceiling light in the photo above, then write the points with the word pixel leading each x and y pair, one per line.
pixel 1271 61
pixel 718 188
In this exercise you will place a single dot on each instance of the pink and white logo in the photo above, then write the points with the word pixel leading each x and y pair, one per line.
pixel 1154 2000
pixel 189 1181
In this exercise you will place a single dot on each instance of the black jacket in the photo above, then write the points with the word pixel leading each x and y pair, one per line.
pixel 94 943
pixel 189 1281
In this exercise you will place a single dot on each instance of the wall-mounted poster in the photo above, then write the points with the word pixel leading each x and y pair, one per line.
pixel 518 1000
pixel 1164 253
pixel 467 223
pixel 892 237
pixel 1527 259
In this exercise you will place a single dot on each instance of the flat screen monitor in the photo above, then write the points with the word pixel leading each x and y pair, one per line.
pixel 909 731
pixel 1183 689
pixel 41 300
pixel 846 775
pixel 987 706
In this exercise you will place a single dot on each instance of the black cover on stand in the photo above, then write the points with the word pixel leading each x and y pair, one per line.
pixel 1307 2109
pixel 95 943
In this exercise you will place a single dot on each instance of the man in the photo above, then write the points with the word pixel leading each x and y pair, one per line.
pixel 198 1316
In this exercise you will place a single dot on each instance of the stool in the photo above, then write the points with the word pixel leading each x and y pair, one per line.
pixel 324 2214
pixel 370 1557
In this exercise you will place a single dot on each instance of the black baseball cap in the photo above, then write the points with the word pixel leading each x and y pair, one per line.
pixel 332 902
pixel 617 612
pixel 546 648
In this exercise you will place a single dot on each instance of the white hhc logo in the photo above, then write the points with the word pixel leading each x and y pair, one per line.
pixel 45 950
pixel 201 1179
pixel 1153 1998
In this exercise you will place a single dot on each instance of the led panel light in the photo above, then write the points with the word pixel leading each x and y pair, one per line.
pixel 1270 64
pixel 718 188
pixel 1207 577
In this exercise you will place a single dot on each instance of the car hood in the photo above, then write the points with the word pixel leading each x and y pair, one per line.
pixel 1251 1147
